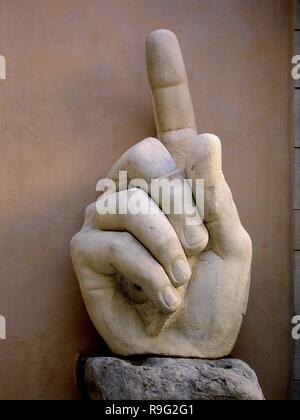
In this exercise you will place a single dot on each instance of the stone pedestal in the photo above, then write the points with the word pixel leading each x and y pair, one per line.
pixel 110 378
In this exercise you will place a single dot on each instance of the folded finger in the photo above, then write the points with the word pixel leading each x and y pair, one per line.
pixel 149 160
pixel 142 218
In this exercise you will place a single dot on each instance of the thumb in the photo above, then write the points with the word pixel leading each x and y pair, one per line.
pixel 204 162
pixel 204 158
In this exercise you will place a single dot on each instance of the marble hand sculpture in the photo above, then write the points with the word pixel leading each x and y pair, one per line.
pixel 153 284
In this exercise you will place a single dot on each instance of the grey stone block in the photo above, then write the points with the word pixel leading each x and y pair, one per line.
pixel 297 180
pixel 296 391
pixel 297 282
pixel 111 378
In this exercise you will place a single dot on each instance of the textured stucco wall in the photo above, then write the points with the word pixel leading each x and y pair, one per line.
pixel 75 98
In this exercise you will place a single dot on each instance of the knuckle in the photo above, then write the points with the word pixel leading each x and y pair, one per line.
pixel 136 199
pixel 144 145
pixel 242 245
pixel 126 238
pixel 211 143
pixel 144 158
pixel 139 154
pixel 247 244
pixel 138 193
pixel 76 241
pixel 90 210
pixel 123 241
pixel 76 245
pixel 205 157
pixel 169 247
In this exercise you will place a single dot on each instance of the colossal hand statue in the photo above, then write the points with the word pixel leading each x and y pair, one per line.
pixel 153 284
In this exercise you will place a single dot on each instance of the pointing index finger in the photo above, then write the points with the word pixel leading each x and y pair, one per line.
pixel 172 102
pixel 165 61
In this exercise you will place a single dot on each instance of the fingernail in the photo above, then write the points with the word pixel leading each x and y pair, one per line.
pixel 181 271
pixel 171 298
pixel 193 235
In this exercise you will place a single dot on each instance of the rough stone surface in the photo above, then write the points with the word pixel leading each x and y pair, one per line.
pixel 296 391
pixel 111 378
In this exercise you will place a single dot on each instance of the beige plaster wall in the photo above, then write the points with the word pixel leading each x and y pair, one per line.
pixel 75 98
